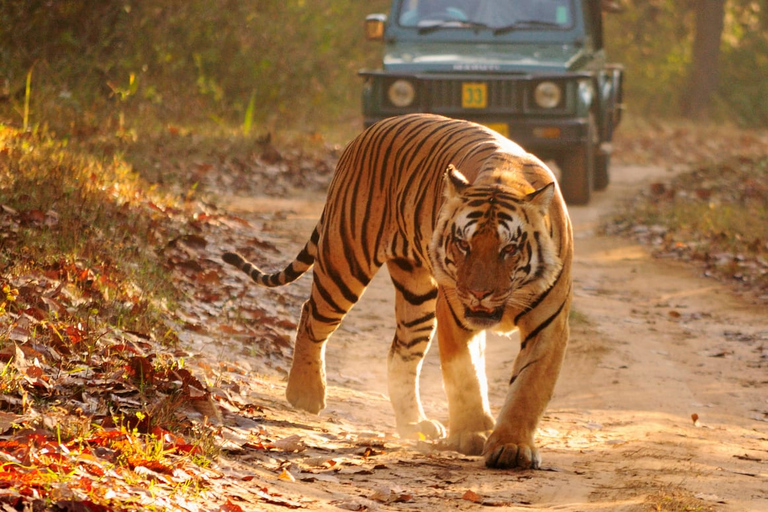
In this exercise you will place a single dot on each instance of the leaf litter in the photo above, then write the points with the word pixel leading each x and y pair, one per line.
pixel 98 417
pixel 715 216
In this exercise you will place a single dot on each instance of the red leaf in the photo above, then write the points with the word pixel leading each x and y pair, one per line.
pixel 141 368
pixel 123 347
pixel 35 215
pixel 86 483
pixel 34 372
pixel 75 333
pixel 472 496
pixel 154 465
pixel 230 507
pixel 84 275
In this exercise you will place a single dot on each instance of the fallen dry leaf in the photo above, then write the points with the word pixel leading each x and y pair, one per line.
pixel 695 419
pixel 472 496
pixel 293 443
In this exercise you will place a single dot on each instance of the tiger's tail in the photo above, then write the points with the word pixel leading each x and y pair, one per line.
pixel 303 262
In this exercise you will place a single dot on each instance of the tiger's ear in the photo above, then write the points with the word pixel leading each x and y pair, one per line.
pixel 542 198
pixel 455 182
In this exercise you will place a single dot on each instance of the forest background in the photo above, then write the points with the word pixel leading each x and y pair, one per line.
pixel 139 67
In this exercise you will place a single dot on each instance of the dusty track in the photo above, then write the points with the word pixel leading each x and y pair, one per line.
pixel 652 344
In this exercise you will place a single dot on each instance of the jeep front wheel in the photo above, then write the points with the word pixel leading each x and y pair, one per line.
pixel 602 165
pixel 576 174
pixel 577 168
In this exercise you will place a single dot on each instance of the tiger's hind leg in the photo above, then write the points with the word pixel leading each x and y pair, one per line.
pixel 320 317
pixel 306 381
pixel 415 294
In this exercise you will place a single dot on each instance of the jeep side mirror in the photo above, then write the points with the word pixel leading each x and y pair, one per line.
pixel 374 26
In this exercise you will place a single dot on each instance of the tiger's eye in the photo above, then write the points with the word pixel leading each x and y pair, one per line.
pixel 462 244
pixel 508 249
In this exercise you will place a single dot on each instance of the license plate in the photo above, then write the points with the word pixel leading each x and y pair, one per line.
pixel 474 95
pixel 500 128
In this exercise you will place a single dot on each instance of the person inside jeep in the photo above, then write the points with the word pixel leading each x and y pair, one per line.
pixel 490 13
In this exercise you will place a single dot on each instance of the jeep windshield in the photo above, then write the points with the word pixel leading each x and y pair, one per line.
pixel 501 16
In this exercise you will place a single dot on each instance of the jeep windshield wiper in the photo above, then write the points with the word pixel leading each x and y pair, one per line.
pixel 452 24
pixel 524 24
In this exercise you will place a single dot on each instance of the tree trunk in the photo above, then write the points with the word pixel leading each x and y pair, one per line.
pixel 764 15
pixel 710 19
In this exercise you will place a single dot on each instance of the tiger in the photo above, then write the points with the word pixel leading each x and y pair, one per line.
pixel 476 236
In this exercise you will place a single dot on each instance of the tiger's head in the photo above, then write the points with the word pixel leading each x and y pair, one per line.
pixel 491 248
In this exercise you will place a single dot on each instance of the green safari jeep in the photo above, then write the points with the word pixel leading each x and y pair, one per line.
pixel 533 70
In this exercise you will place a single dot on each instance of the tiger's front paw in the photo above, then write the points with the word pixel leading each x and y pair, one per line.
pixel 429 429
pixel 306 390
pixel 505 453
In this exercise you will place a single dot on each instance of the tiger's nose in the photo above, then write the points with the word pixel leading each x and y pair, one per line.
pixel 480 294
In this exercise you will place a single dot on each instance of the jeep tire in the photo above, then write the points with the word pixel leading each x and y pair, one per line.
pixel 602 165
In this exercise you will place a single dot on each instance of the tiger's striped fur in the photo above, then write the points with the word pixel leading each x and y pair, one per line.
pixel 485 244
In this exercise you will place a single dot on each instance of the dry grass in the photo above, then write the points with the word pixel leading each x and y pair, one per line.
pixel 676 500
pixel 89 219
pixel 716 215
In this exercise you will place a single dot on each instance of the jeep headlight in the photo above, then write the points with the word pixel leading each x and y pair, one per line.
pixel 401 93
pixel 547 94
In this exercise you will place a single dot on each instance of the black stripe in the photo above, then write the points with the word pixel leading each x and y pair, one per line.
pixel 411 356
pixel 426 318
pixel 456 319
pixel 415 341
pixel 406 245
pixel 393 245
pixel 515 376
pixel 343 288
pixel 412 298
pixel 327 297
pixel 539 255
pixel 305 258
pixel 252 271
pixel 542 326
pixel 315 236
pixel 526 269
pixel 540 298
pixel 357 271
pixel 291 274
pixel 320 318
pixel 507 205
pixel 402 264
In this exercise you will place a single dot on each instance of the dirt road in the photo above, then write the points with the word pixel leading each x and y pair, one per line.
pixel 662 403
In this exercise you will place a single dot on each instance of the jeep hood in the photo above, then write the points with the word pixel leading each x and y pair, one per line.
pixel 443 57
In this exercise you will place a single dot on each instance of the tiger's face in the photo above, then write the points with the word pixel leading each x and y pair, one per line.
pixel 491 249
